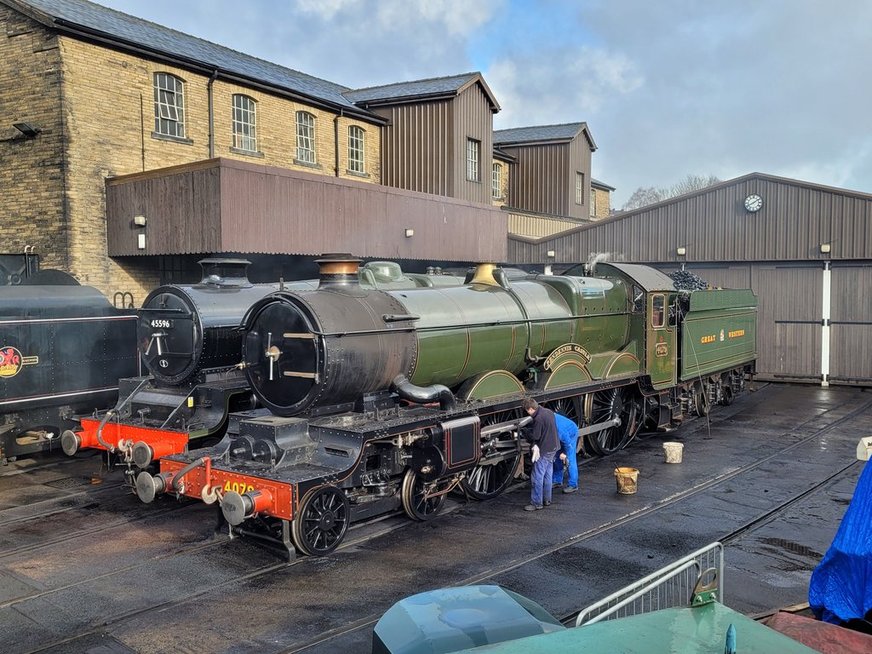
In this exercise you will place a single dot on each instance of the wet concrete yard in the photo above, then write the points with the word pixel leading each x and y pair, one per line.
pixel 88 568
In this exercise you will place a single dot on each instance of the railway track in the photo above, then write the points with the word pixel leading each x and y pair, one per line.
pixel 361 539
pixel 569 619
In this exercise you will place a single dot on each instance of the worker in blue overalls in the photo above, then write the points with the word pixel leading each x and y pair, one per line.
pixel 568 433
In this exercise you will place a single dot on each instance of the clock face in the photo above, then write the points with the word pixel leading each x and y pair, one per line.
pixel 753 203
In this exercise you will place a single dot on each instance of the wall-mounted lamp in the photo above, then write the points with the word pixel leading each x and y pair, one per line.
pixel 681 250
pixel 27 129
pixel 140 241
pixel 410 233
pixel 551 254
pixel 825 248
pixel 139 221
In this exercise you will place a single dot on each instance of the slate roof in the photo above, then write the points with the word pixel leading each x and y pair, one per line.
pixel 602 185
pixel 122 30
pixel 540 133
pixel 435 87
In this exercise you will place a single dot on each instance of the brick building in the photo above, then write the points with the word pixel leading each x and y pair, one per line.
pixel 90 94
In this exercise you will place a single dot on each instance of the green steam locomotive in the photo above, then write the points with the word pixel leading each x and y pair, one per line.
pixel 381 399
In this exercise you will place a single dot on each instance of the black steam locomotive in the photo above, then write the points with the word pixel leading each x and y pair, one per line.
pixel 63 348
pixel 389 399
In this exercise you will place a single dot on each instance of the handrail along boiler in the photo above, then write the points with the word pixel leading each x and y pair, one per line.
pixel 387 399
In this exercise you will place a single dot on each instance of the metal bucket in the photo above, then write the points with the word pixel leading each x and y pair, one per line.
pixel 673 452
pixel 626 478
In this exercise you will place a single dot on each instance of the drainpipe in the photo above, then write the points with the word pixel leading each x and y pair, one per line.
pixel 336 141
pixel 211 114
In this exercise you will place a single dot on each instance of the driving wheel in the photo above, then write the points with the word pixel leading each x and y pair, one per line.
pixel 607 405
pixel 500 453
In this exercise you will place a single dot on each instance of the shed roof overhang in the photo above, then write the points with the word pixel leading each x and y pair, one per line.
pixel 224 205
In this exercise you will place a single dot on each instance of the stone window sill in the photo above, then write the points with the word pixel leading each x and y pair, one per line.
pixel 247 153
pixel 174 139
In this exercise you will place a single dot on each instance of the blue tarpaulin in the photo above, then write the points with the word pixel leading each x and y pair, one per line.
pixel 841 586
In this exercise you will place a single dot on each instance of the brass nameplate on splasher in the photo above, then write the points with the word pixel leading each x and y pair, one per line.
pixel 300 335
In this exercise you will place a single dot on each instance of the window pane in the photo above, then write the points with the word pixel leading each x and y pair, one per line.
pixel 473 150
pixel 305 137
pixel 657 311
pixel 244 123
pixel 169 105
pixel 579 188
pixel 495 181
pixel 356 149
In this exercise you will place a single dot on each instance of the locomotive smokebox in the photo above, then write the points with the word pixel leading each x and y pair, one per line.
pixel 338 270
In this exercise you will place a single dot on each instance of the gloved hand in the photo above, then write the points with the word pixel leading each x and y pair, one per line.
pixel 536 455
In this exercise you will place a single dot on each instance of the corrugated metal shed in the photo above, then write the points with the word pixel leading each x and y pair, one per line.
pixel 224 205
pixel 806 253
pixel 713 225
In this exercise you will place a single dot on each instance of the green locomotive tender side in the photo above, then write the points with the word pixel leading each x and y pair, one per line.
pixel 719 331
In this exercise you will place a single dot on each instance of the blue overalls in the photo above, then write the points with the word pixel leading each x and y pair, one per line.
pixel 568 433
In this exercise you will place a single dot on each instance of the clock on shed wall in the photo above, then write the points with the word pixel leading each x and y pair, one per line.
pixel 753 203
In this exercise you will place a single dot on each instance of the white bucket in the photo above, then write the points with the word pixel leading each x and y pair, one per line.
pixel 673 452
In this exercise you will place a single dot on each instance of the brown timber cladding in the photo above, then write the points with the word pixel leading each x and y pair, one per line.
pixel 424 145
pixel 223 205
pixel 544 179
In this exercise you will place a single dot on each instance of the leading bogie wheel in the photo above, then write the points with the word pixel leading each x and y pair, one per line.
pixel 422 500
pixel 321 521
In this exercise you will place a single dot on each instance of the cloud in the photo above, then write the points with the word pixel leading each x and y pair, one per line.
pixel 559 85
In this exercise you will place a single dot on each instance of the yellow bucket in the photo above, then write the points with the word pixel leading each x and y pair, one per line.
pixel 626 478
pixel 673 452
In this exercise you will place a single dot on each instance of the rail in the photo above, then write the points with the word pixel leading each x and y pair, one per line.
pixel 670 586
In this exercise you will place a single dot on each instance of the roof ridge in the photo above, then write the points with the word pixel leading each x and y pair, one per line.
pixel 506 129
pixel 413 81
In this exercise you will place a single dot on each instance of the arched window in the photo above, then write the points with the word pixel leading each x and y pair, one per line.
pixel 244 123
pixel 305 137
pixel 356 150
pixel 169 105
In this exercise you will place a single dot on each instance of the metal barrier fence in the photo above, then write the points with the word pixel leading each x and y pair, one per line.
pixel 670 586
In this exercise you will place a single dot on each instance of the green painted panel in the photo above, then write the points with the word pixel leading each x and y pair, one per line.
pixel 717 340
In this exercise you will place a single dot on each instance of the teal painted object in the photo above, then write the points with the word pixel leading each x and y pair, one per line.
pixel 700 630
pixel 452 619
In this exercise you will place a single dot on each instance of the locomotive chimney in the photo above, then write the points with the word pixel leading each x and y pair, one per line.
pixel 225 272
pixel 338 270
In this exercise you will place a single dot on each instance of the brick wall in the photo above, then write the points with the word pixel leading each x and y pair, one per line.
pixel 602 206
pixel 31 169
pixel 109 125
pixel 504 183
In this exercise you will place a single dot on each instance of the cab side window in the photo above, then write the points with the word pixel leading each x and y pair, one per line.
pixel 658 311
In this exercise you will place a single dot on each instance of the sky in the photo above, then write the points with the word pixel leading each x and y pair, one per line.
pixel 668 88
